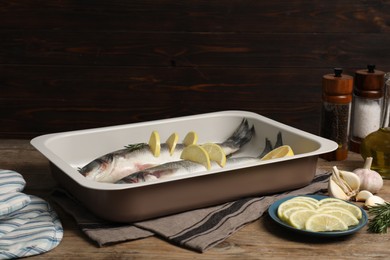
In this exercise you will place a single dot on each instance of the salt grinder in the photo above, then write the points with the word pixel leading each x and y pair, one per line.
pixel 367 105
pixel 336 111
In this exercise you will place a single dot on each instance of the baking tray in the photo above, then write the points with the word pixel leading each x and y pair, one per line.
pixel 67 151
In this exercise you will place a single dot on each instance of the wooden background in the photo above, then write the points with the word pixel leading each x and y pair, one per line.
pixel 67 65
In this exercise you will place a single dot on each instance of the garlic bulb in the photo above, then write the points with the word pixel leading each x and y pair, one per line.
pixel 369 179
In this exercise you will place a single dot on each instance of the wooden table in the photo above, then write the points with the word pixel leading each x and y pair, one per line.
pixel 258 240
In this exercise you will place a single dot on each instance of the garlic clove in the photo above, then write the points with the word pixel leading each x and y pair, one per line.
pixel 351 179
pixel 336 177
pixel 348 182
pixel 363 195
pixel 374 201
pixel 334 190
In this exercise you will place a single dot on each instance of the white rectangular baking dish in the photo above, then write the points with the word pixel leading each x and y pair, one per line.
pixel 67 151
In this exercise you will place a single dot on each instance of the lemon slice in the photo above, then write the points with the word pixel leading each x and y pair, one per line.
pixel 172 142
pixel 355 210
pixel 342 214
pixel 298 218
pixel 190 138
pixel 281 151
pixel 196 153
pixel 309 200
pixel 306 198
pixel 216 153
pixel 325 222
pixel 329 200
pixel 154 143
pixel 291 204
pixel 287 213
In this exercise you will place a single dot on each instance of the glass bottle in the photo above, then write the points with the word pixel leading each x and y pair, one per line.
pixel 377 144
pixel 366 105
pixel 336 110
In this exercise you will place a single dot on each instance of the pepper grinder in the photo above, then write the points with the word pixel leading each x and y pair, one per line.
pixel 367 105
pixel 336 111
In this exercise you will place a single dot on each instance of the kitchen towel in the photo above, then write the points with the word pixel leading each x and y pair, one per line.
pixel 28 224
pixel 199 229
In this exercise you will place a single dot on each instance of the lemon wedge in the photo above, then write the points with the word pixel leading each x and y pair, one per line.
pixel 281 151
pixel 154 143
pixel 216 153
pixel 190 138
pixel 172 142
pixel 196 153
pixel 325 222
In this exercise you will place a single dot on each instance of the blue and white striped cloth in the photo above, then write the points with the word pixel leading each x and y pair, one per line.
pixel 28 224
pixel 11 181
pixel 11 202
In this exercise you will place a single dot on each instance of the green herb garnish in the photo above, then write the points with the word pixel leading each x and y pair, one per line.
pixel 381 220
pixel 133 147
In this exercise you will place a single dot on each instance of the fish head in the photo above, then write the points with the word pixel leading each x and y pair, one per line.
pixel 98 168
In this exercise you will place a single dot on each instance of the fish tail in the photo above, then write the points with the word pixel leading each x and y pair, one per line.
pixel 242 135
pixel 279 140
pixel 268 145
pixel 267 148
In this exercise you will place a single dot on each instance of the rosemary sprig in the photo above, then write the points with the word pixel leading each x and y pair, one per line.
pixel 133 147
pixel 381 220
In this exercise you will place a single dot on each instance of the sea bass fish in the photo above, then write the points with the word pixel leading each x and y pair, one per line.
pixel 185 167
pixel 180 168
pixel 119 164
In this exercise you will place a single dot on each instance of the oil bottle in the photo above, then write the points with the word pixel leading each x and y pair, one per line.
pixel 377 144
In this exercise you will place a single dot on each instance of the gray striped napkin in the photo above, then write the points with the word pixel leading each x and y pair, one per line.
pixel 198 230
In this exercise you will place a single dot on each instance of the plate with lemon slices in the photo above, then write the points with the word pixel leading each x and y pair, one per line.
pixel 318 215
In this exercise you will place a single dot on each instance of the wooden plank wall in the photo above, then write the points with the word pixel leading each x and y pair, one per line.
pixel 67 65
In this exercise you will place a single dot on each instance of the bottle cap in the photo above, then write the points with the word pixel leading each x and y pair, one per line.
pixel 337 87
pixel 369 82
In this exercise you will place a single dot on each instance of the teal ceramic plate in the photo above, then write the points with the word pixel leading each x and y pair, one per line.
pixel 272 211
